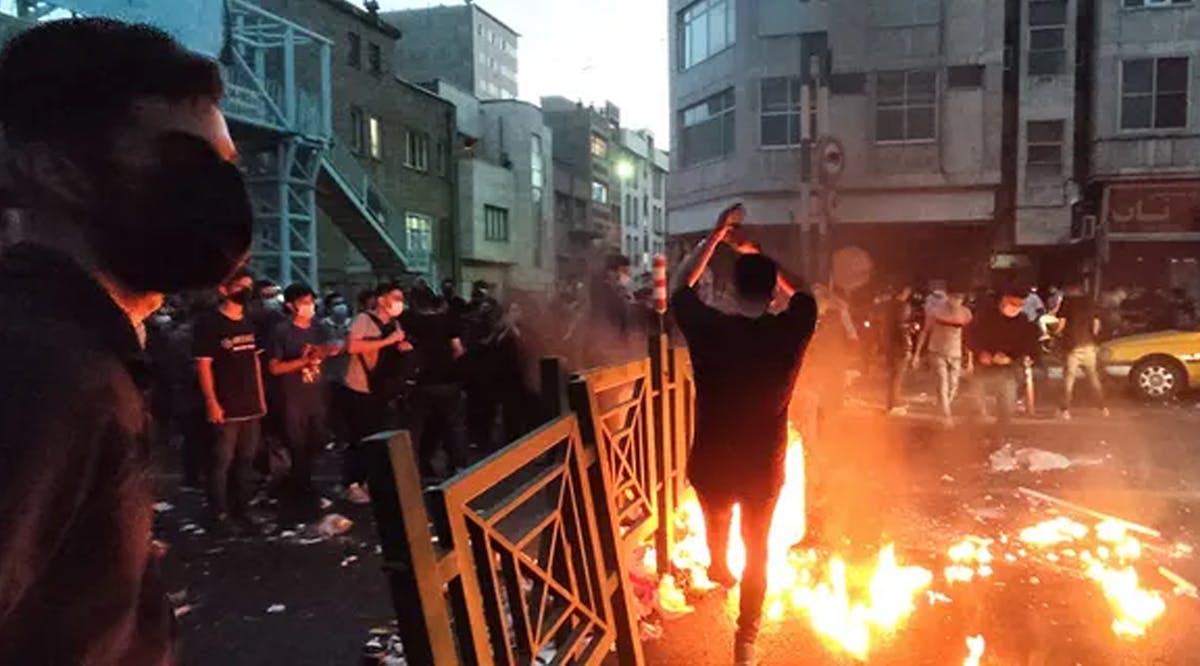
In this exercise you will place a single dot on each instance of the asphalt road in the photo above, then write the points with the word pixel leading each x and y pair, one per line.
pixel 900 479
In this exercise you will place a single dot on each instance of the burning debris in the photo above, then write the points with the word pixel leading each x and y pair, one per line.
pixel 856 606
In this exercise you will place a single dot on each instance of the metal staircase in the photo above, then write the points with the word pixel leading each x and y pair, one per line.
pixel 278 101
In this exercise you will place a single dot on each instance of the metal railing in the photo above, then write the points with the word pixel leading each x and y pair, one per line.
pixel 525 556
pixel 353 178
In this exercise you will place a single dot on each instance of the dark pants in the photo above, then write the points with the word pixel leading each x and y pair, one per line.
pixel 436 417
pixel 897 371
pixel 756 514
pixel 483 407
pixel 235 443
pixel 196 445
pixel 365 415
pixel 303 436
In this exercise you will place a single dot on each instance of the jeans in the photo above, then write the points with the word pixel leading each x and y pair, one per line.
pixel 436 417
pixel 303 435
pixel 1081 357
pixel 949 371
pixel 235 443
pixel 1000 383
pixel 756 514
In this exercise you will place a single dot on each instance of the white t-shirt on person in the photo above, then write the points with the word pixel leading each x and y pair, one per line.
pixel 355 379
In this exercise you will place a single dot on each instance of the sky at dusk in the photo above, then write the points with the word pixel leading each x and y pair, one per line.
pixel 589 50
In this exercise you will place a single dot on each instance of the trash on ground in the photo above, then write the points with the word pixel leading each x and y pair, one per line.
pixel 947 478
pixel 276 608
pixel 180 611
pixel 349 560
pixel 650 631
pixel 163 507
pixel 1005 459
pixel 334 524
pixel 325 503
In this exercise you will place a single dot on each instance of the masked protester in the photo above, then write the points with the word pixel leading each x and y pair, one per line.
pixel 119 153
pixel 1003 343
pixel 374 341
pixel 227 352
pixel 746 364
pixel 436 410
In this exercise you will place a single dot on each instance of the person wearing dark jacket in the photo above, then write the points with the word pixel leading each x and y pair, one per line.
pixel 746 364
pixel 1003 344
pixel 115 135
pixel 897 346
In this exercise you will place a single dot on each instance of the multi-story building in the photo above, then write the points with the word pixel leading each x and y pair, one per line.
pixel 901 97
pixel 463 45
pixel 641 170
pixel 1145 141
pixel 586 191
pixel 391 142
pixel 503 155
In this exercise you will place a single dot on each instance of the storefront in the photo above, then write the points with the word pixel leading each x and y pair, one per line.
pixel 1152 235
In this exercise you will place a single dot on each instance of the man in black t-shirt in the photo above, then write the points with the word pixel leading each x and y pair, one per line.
pixel 296 350
pixel 437 407
pixel 745 365
pixel 1079 326
pixel 226 352
pixel 1003 343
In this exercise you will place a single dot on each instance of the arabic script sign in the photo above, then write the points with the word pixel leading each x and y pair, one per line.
pixel 1162 207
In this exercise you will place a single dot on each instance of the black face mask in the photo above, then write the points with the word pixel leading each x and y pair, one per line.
pixel 184 224
pixel 240 297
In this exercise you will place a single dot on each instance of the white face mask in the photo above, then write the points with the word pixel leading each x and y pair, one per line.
pixel 396 308
pixel 307 311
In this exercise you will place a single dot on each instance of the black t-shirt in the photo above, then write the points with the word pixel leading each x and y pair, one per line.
pixel 745 372
pixel 302 389
pixel 233 348
pixel 430 334
pixel 1080 313
pixel 992 332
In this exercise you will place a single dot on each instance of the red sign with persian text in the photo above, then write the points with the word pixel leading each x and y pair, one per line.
pixel 1158 207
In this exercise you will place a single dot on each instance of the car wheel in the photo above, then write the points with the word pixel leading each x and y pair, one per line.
pixel 1158 379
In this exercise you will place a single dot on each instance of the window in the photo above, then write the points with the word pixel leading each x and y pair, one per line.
pixel 658 219
pixel 375 135
pixel 964 76
pixel 418 237
pixel 537 167
pixel 708 129
pixel 659 178
pixel 417 151
pixel 599 147
pixel 706 27
pixel 495 224
pixel 1154 93
pixel 904 13
pixel 1047 37
pixel 781 111
pixel 1155 3
pixel 357 130
pixel 1044 148
pixel 375 58
pixel 599 192
pixel 354 50
pixel 905 106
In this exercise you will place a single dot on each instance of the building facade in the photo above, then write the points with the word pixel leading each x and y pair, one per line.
pixel 391 147
pixel 586 188
pixel 641 170
pixel 895 104
pixel 463 45
pixel 503 157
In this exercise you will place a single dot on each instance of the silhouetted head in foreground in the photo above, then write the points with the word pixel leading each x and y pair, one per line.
pixel 754 279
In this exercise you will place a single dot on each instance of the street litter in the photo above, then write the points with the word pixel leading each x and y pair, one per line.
pixel 947 478
pixel 349 560
pixel 326 503
pixel 163 507
pixel 1005 459
pixel 276 608
pixel 334 524
pixel 180 611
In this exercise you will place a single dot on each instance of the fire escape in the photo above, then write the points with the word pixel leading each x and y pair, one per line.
pixel 278 101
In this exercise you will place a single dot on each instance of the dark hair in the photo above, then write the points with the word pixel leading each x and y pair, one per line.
pixel 240 274
pixel 754 276
pixel 295 292
pixel 615 262
pixel 1013 290
pixel 364 298
pixel 387 288
pixel 332 299
pixel 73 81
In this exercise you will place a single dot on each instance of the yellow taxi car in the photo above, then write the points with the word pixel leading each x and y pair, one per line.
pixel 1158 366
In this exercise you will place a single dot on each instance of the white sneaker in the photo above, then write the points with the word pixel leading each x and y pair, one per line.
pixel 743 654
pixel 357 494
pixel 1064 415
pixel 1104 412
pixel 898 411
